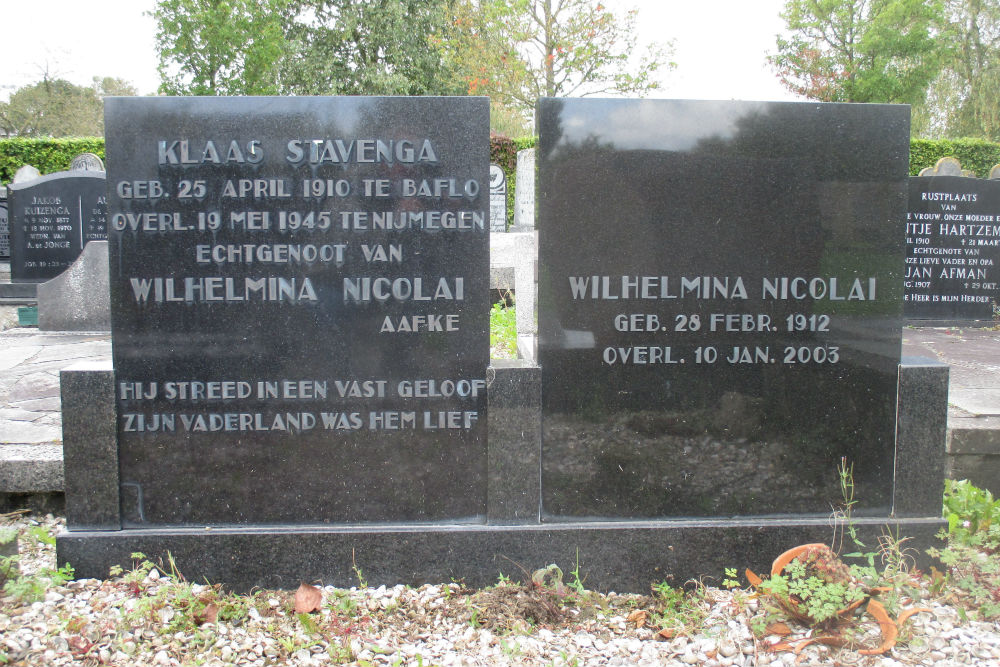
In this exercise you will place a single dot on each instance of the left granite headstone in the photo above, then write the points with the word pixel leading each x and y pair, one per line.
pixel 299 304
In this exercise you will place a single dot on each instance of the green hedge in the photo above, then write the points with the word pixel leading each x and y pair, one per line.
pixel 503 152
pixel 978 155
pixel 46 155
pixel 49 155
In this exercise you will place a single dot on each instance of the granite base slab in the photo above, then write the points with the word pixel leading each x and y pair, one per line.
pixel 27 291
pixel 619 556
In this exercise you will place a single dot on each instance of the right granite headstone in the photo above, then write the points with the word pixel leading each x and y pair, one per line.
pixel 720 300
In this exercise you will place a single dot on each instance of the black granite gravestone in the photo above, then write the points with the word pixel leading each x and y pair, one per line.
pixel 299 308
pixel 719 304
pixel 952 249
pixel 51 218
pixel 764 238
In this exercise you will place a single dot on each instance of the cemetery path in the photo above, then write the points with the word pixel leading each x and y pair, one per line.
pixel 30 419
pixel 974 358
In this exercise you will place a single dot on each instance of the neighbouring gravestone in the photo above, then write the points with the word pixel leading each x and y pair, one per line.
pixel 498 199
pixel 86 162
pixel 524 193
pixel 299 308
pixel 4 225
pixel 51 218
pixel 25 173
pixel 719 305
pixel 952 246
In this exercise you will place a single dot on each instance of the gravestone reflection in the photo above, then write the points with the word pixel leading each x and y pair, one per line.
pixel 724 328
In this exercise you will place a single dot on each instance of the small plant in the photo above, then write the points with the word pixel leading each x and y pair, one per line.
pixel 815 586
pixel 31 588
pixel 972 513
pixel 576 583
pixel 973 539
pixel 676 611
pixel 503 331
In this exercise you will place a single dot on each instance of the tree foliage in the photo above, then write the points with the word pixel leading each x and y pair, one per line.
pixel 58 108
pixel 519 50
pixel 859 50
pixel 368 47
pixel 964 101
pixel 220 47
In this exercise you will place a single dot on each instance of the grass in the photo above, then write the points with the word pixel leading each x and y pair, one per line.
pixel 503 332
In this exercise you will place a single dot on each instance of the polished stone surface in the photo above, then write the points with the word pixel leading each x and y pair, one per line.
pixel 624 557
pixel 90 446
pixel 922 428
pixel 675 384
pixel 952 249
pixel 193 303
pixel 515 441
pixel 51 218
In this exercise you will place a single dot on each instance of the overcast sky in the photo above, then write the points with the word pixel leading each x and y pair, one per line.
pixel 720 45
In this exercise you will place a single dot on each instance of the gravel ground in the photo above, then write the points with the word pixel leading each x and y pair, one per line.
pixel 144 617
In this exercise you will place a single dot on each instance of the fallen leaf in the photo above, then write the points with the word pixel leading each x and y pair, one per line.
pixel 779 629
pixel 210 614
pixel 753 578
pixel 781 646
pixel 638 617
pixel 906 613
pixel 889 629
pixel 667 633
pixel 829 640
pixel 307 599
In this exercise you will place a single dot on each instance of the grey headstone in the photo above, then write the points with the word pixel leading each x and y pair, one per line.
pixel 87 162
pixel 947 166
pixel 4 225
pixel 524 195
pixel 25 173
pixel 78 299
pixel 498 199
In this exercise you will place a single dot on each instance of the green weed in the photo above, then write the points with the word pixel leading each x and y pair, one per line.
pixel 503 331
